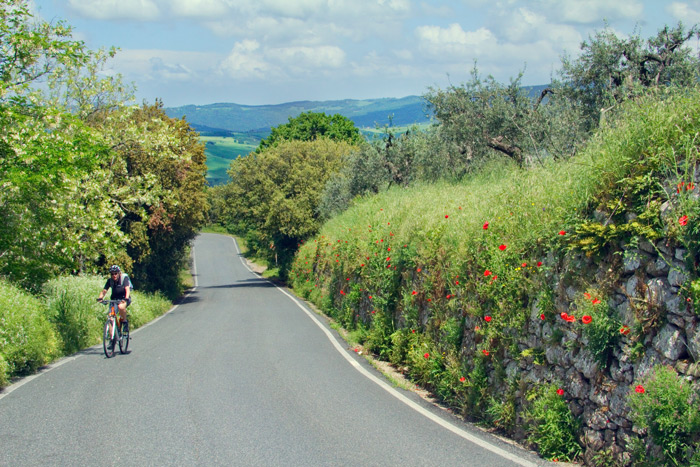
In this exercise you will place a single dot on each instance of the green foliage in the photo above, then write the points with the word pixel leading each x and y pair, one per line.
pixel 552 427
pixel 27 340
pixel 610 69
pixel 310 126
pixel 275 194
pixel 74 314
pixel 483 117
pixel 666 406
pixel 603 330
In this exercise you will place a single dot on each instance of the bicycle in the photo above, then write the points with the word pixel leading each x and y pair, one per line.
pixel 113 333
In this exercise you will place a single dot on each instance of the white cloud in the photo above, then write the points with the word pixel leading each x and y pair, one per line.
pixel 245 61
pixel 685 12
pixel 304 58
pixel 163 65
pixel 199 9
pixel 140 10
pixel 592 11
pixel 454 41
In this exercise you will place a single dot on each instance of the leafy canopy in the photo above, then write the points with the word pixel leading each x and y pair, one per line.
pixel 309 126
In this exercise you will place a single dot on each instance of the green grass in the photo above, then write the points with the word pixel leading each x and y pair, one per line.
pixel 220 151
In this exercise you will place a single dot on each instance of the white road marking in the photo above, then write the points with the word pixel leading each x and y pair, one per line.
pixel 388 388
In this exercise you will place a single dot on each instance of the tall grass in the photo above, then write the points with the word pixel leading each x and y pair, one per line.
pixel 27 339
pixel 445 279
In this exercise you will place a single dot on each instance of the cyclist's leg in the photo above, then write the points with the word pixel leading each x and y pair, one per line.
pixel 122 310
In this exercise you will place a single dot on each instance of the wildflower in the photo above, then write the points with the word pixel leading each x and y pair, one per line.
pixel 487 319
pixel 690 186
pixel 542 316
pixel 683 220
pixel 418 270
pixel 562 232
pixel 485 352
pixel 342 293
pixel 586 319
pixel 362 265
pixel 426 355
pixel 462 379
pixel 587 296
pixel 524 265
pixel 456 282
pixel 595 301
pixel 414 293
pixel 388 258
pixel 539 264
pixel 560 391
pixel 487 273
pixel 446 216
pixel 680 187
pixel 448 296
pixel 486 225
pixel 639 389
pixel 624 330
pixel 388 249
pixel 502 247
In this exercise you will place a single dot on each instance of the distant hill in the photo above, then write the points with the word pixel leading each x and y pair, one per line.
pixel 234 119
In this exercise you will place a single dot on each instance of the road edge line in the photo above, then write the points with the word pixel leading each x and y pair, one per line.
pixel 388 388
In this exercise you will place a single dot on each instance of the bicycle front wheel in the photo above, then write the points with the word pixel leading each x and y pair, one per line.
pixel 108 339
pixel 124 340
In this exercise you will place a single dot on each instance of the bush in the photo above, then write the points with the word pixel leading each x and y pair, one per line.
pixel 666 406
pixel 27 340
pixel 552 426
pixel 74 313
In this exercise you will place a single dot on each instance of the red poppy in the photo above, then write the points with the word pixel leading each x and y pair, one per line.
pixel 542 316
pixel 449 296
pixel 586 319
pixel 595 301
pixel 560 391
pixel 456 282
pixel 430 299
pixel 639 389
pixel 680 186
pixel 485 352
pixel 624 330
pixel 587 296
pixel 502 247
pixel 426 355
pixel 342 293
pixel 487 273
pixel 683 220
pixel 690 186
pixel 388 258
pixel 414 293
pixel 388 249
pixel 524 265
pixel 486 225
pixel 362 265
pixel 462 379
pixel 419 270
pixel 563 315
pixel 446 216
pixel 539 263
pixel 562 232
pixel 487 318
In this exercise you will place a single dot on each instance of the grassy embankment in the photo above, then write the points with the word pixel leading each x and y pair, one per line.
pixel 411 272
pixel 35 331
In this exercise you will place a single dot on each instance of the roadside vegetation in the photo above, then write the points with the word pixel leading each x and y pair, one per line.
pixel 87 179
pixel 436 248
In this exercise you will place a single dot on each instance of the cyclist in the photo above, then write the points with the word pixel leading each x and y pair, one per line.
pixel 121 290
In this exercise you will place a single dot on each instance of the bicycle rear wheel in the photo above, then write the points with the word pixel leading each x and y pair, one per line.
pixel 124 340
pixel 107 339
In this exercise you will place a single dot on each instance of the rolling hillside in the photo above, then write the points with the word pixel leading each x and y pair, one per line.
pixel 226 119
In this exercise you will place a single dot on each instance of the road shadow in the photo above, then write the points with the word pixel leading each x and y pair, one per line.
pixel 258 283
pixel 190 297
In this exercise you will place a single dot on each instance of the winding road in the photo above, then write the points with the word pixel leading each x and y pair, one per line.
pixel 239 373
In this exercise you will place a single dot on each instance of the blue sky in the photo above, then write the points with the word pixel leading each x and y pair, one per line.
pixel 273 51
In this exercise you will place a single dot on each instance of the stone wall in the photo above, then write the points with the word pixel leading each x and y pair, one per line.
pixel 643 285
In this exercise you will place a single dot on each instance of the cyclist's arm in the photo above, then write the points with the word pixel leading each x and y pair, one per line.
pixel 102 294
pixel 127 292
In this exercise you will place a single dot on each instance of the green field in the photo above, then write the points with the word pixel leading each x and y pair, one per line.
pixel 220 152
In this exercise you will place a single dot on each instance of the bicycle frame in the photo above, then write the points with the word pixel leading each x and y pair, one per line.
pixel 112 332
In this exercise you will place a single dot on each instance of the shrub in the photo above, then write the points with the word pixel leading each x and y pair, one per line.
pixel 74 313
pixel 666 406
pixel 552 426
pixel 27 340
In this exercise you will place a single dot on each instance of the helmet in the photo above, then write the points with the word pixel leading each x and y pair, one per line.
pixel 114 269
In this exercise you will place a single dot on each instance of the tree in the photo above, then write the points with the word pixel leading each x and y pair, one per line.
pixel 483 117
pixel 275 194
pixel 612 69
pixel 309 126
pixel 157 180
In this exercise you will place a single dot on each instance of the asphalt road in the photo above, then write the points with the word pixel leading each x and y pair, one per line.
pixel 239 373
